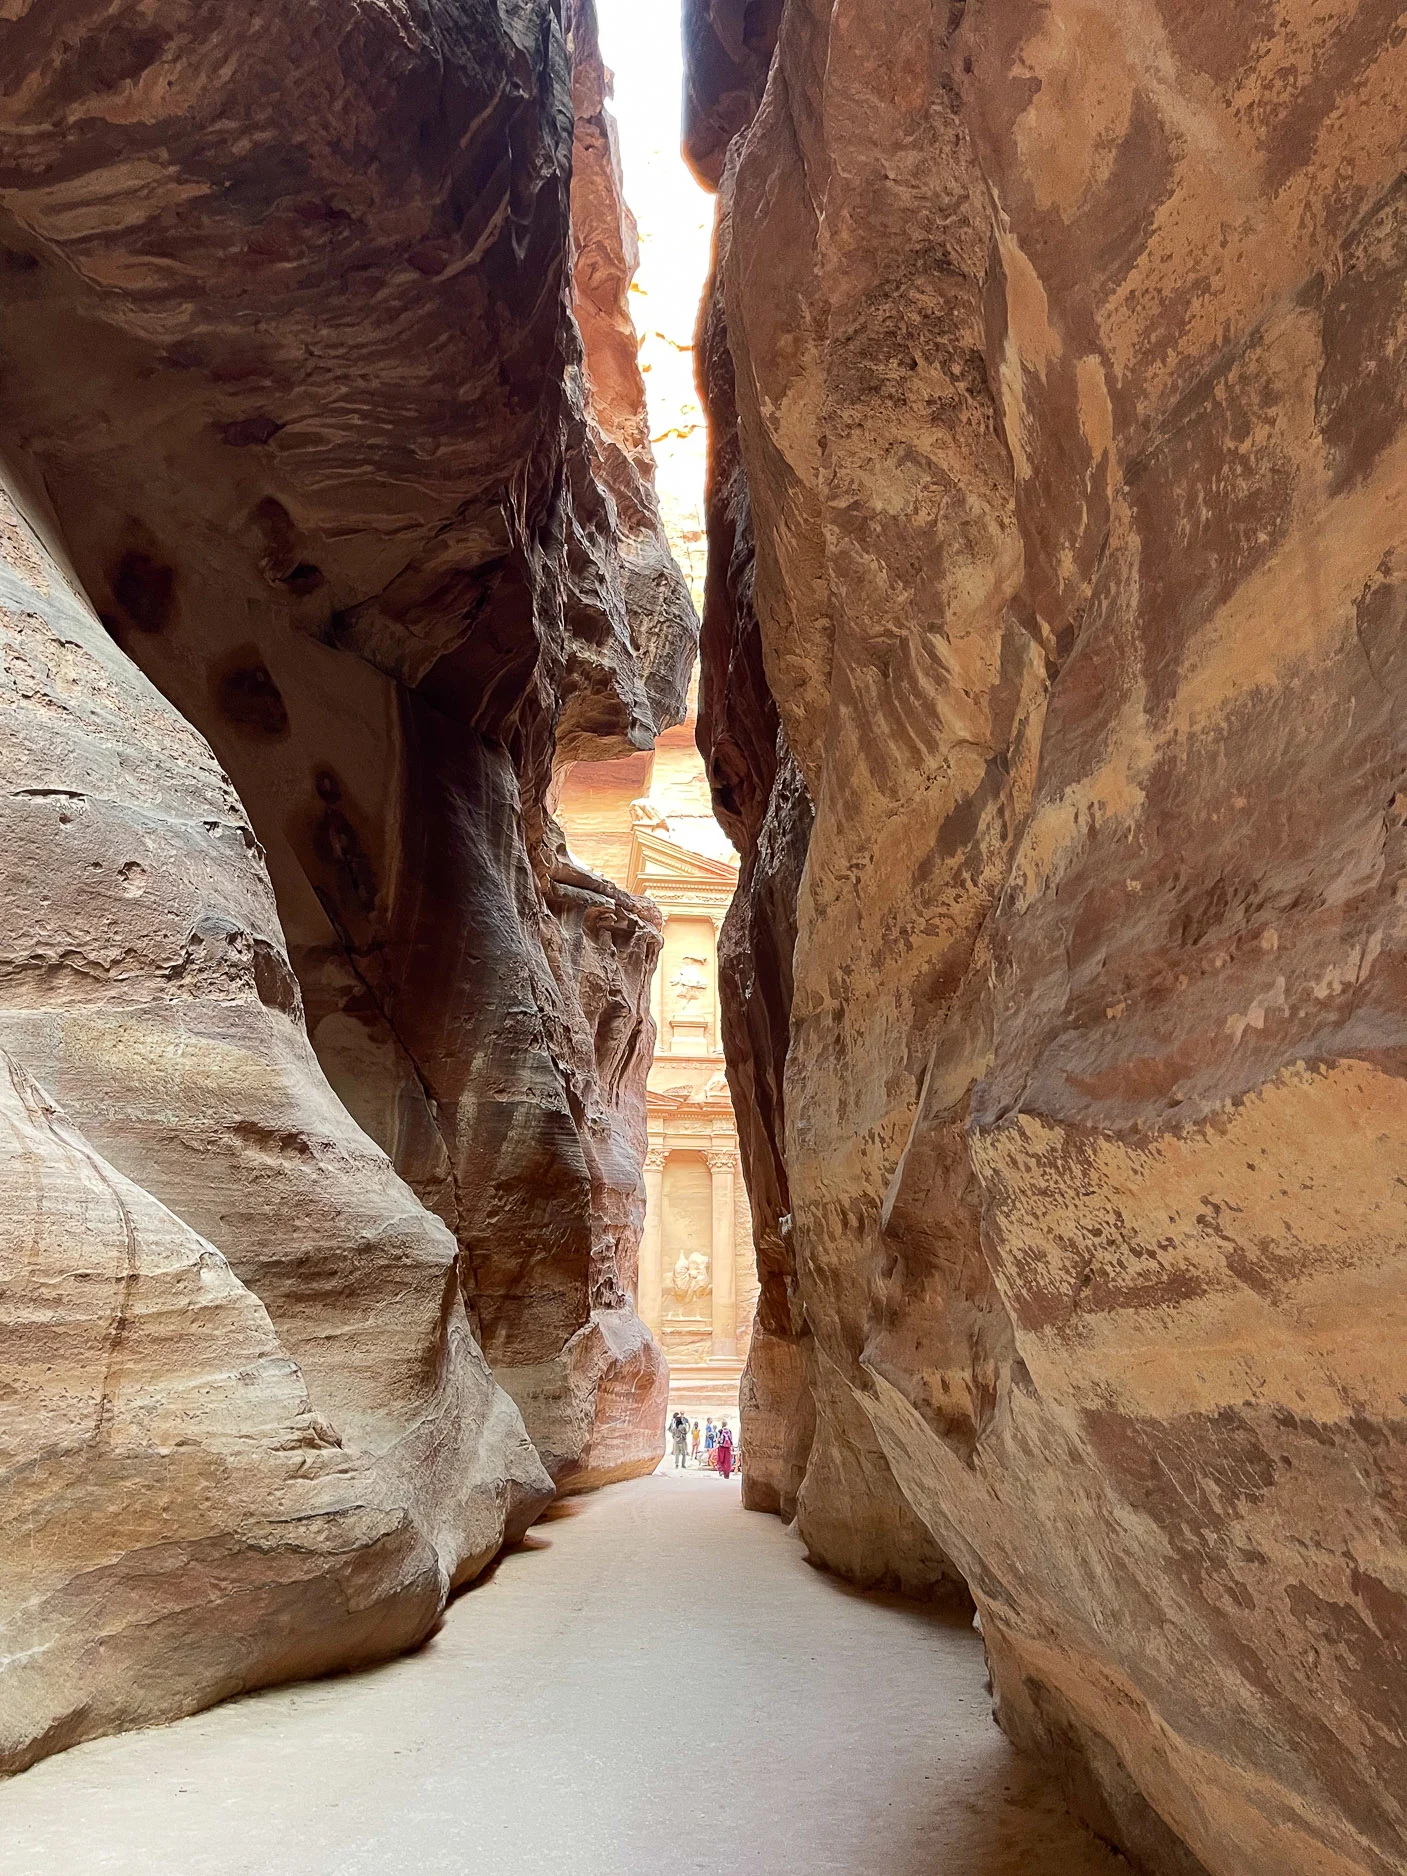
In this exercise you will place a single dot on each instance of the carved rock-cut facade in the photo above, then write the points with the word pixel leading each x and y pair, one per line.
pixel 1056 357
pixel 647 821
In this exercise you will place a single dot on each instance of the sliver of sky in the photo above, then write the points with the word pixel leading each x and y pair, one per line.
pixel 641 46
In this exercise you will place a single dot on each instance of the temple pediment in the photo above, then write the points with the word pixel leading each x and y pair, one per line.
pixel 706 1089
pixel 655 861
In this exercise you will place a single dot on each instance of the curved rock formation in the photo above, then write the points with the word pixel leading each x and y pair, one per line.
pixel 223 1465
pixel 728 47
pixel 1069 366
pixel 181 1450
pixel 294 396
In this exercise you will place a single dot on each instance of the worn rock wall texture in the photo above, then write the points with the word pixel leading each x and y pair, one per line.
pixel 248 1431
pixel 865 1528
pixel 1071 383
pixel 314 555
pixel 606 256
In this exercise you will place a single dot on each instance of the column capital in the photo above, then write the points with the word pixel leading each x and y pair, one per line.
pixel 655 1158
pixel 722 1159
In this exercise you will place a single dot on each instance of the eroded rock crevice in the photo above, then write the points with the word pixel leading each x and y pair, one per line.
pixel 1054 356
pixel 330 527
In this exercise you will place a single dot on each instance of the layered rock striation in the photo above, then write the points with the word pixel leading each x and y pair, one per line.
pixel 1057 357
pixel 326 1062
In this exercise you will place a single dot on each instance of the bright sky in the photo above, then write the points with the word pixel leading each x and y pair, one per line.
pixel 640 44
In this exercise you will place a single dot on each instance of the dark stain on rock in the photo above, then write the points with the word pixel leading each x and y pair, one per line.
pixel 250 432
pixel 1221 41
pixel 275 983
pixel 1213 498
pixel 1357 38
pixel 1367 1639
pixel 1380 620
pixel 1189 1474
pixel 145 590
pixel 279 544
pixel 304 578
pixel 104 57
pixel 246 694
pixel 1361 398
pixel 339 846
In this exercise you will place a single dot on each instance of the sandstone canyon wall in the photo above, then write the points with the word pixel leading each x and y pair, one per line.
pixel 1057 361
pixel 323 1065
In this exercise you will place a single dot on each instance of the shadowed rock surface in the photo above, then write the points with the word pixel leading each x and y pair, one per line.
pixel 248 1431
pixel 297 407
pixel 728 48
pixel 1067 350
pixel 266 1517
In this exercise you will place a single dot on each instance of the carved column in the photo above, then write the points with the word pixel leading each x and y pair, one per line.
pixel 657 997
pixel 651 1284
pixel 725 1280
pixel 717 920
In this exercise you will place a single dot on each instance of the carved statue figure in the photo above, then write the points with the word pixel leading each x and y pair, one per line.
pixel 644 813
pixel 691 1276
pixel 690 981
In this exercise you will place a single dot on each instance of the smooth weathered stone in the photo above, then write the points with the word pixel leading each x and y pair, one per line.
pixel 249 1433
pixel 1067 344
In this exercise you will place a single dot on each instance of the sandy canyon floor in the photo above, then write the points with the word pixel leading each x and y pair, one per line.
pixel 657 1682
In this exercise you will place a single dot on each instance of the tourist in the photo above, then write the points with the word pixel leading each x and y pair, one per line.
pixel 725 1451
pixel 694 1436
pixel 679 1429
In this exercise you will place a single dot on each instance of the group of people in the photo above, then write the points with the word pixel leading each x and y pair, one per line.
pixel 714 1447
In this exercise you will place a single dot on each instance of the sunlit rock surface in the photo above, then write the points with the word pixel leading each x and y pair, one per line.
pixel 1068 350
pixel 307 472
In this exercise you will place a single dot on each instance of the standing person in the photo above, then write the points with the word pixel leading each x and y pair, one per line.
pixel 725 1451
pixel 679 1429
pixel 694 1436
pixel 710 1441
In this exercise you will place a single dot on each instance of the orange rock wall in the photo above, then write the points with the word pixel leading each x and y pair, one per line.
pixel 1063 510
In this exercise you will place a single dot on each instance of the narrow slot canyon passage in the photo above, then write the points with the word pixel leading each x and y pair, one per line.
pixel 703 724
pixel 656 1684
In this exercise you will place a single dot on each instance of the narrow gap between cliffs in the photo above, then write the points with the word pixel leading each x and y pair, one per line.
pixel 646 820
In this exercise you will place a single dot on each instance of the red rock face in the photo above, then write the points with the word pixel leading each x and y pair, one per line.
pixel 728 48
pixel 296 406
pixel 1070 400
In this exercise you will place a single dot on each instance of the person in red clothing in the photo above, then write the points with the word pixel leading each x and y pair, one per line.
pixel 723 1451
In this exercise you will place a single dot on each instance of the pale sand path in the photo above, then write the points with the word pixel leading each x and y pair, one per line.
pixel 563 1723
